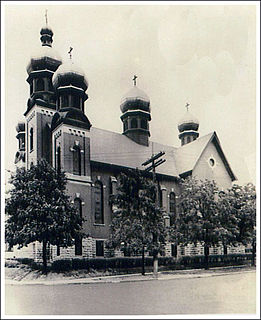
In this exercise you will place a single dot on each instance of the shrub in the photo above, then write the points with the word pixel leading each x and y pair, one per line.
pixel 62 265
pixel 80 264
pixel 25 260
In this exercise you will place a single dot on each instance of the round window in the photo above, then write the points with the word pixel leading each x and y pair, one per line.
pixel 211 162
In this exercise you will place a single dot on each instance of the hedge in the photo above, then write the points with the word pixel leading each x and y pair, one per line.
pixel 165 263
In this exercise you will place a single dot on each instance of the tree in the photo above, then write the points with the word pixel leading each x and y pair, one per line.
pixel 136 219
pixel 238 207
pixel 39 209
pixel 197 220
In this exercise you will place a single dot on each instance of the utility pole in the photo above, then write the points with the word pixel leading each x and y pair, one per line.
pixel 152 167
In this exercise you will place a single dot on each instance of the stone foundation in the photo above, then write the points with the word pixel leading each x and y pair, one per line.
pixel 34 251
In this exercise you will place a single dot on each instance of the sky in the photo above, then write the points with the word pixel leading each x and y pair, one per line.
pixel 201 54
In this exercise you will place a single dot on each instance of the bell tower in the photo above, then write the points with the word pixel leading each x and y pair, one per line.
pixel 70 126
pixel 41 104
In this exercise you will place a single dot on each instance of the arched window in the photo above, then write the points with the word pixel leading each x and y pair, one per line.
pixel 76 102
pixel 31 139
pixel 65 102
pixel 143 124
pixel 78 239
pixel 188 139
pixel 39 85
pixel 134 123
pixel 50 84
pixel 58 158
pixel 98 203
pixel 77 160
pixel 46 145
pixel 172 207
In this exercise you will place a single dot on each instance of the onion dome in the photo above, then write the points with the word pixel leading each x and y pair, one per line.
pixel 135 108
pixel 188 128
pixel 70 116
pixel 45 57
pixel 46 36
pixel 20 127
pixel 69 74
pixel 135 98
pixel 188 122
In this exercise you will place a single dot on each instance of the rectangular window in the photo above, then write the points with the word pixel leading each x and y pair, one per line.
pixel 99 248
pixel 98 204
pixel 78 246
pixel 174 250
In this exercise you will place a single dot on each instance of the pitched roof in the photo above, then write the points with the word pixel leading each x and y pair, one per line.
pixel 188 154
pixel 117 149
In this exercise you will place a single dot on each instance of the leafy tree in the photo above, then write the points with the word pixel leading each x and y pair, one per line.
pixel 39 209
pixel 198 219
pixel 137 221
pixel 238 210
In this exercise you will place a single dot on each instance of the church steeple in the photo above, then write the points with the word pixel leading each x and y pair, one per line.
pixel 43 63
pixel 135 107
pixel 188 127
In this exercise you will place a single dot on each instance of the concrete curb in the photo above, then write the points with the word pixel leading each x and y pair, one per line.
pixel 123 278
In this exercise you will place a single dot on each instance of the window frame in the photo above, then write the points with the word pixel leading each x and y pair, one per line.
pixel 98 216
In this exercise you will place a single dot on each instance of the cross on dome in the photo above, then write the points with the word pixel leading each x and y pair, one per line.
pixel 70 52
pixel 134 79
pixel 187 105
pixel 46 21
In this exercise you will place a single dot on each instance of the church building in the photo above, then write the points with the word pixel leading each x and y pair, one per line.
pixel 58 129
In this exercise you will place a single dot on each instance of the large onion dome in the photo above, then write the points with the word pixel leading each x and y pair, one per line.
pixel 188 122
pixel 45 57
pixel 69 74
pixel 135 98
pixel 135 108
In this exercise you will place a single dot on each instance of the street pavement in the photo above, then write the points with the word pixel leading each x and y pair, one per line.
pixel 218 291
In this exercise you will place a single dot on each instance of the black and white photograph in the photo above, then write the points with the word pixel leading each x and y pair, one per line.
pixel 130 159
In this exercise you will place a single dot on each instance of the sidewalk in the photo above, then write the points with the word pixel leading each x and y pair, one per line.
pixel 164 275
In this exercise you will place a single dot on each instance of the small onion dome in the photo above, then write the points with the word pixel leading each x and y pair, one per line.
pixel 70 74
pixel 135 98
pixel 46 30
pixel 188 122
pixel 44 58
pixel 20 127
pixel 70 116
pixel 46 36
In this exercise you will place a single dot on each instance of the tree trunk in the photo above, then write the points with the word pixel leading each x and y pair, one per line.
pixel 143 261
pixel 155 265
pixel 44 256
pixel 253 253
pixel 206 252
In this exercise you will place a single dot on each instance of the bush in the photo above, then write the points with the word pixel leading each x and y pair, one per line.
pixel 80 264
pixel 214 260
pixel 62 265
pixel 27 261
pixel 131 264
